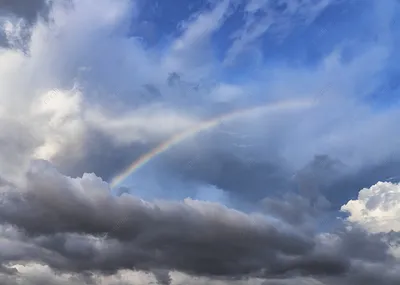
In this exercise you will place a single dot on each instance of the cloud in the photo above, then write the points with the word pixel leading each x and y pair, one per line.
pixel 277 16
pixel 377 208
pixel 126 108
pixel 18 18
pixel 141 124
pixel 75 225
pixel 190 54
pixel 294 209
pixel 28 10
pixel 142 223
pixel 253 201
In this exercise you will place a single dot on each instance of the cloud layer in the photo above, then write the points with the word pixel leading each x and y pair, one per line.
pixel 76 225
pixel 287 197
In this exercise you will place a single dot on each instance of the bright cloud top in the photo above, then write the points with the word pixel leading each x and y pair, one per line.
pixel 377 208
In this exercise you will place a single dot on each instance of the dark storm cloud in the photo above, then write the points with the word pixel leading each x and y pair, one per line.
pixel 63 221
pixel 367 274
pixel 26 9
pixel 368 261
pixel 363 246
pixel 194 236
pixel 76 253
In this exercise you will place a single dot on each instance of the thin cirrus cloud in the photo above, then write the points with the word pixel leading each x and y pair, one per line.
pixel 284 198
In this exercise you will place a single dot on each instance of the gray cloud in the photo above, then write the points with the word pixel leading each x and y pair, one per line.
pixel 26 9
pixel 231 173
pixel 75 225
pixel 163 277
pixel 192 228
pixel 100 156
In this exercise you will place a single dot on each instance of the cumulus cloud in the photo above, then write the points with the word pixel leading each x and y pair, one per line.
pixel 377 208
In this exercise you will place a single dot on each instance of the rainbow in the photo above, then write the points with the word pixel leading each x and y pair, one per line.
pixel 206 125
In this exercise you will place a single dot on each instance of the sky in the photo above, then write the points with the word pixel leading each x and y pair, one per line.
pixel 294 181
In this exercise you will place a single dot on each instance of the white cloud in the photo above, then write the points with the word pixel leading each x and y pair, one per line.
pixel 226 93
pixel 146 124
pixel 61 110
pixel 35 274
pixel 377 208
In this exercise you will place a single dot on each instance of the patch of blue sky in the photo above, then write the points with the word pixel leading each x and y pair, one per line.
pixel 387 94
pixel 159 20
pixel 306 45
pixel 222 39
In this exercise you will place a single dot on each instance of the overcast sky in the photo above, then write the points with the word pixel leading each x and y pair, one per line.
pixel 303 195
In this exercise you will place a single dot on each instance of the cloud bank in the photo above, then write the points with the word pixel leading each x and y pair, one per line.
pixel 76 225
pixel 286 198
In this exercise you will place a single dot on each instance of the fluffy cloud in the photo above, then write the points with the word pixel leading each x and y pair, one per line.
pixel 377 208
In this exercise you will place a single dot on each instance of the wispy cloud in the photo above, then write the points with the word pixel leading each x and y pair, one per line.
pixel 277 17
